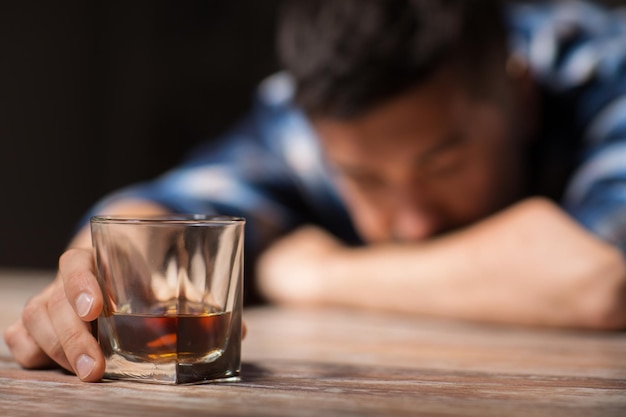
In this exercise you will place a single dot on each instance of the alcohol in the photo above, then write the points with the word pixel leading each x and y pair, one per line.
pixel 167 346
pixel 183 338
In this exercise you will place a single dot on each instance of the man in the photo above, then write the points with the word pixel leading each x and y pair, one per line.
pixel 488 182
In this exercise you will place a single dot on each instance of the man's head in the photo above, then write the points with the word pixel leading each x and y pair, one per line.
pixel 412 106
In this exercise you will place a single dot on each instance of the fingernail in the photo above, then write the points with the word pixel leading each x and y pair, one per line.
pixel 84 366
pixel 83 304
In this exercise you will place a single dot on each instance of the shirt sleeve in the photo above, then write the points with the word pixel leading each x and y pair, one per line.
pixel 596 193
pixel 596 196
pixel 577 51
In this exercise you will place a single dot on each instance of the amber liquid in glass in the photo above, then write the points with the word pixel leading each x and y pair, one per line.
pixel 167 345
pixel 185 338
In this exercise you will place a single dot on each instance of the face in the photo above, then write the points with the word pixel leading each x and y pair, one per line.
pixel 425 163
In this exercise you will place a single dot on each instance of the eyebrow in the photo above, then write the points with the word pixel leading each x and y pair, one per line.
pixel 451 140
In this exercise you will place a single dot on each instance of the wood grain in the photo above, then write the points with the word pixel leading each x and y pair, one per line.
pixel 354 363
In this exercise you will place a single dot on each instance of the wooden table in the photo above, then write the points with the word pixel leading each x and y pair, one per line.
pixel 349 363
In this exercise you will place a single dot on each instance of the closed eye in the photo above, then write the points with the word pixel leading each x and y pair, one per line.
pixel 444 159
pixel 364 179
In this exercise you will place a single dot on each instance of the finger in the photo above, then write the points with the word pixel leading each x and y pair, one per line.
pixel 39 328
pixel 76 269
pixel 82 352
pixel 24 349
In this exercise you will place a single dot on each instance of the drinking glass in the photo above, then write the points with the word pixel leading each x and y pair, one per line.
pixel 172 288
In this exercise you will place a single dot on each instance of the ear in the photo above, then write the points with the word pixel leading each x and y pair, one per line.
pixel 518 72
pixel 526 93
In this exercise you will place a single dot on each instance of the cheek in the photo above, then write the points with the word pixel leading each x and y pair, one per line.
pixel 483 190
pixel 464 197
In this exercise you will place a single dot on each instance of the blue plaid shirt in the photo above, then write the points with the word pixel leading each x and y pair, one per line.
pixel 269 168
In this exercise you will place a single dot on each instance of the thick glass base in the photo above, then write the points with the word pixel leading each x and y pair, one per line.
pixel 119 368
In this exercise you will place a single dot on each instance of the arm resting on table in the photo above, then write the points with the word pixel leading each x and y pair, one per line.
pixel 530 264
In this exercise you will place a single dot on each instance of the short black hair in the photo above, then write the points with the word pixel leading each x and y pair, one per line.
pixel 347 56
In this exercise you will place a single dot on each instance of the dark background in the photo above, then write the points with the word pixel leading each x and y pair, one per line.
pixel 95 95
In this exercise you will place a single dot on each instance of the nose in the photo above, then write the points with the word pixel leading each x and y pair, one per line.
pixel 414 217
pixel 413 224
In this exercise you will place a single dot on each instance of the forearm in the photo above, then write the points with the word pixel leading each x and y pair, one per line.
pixel 530 264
